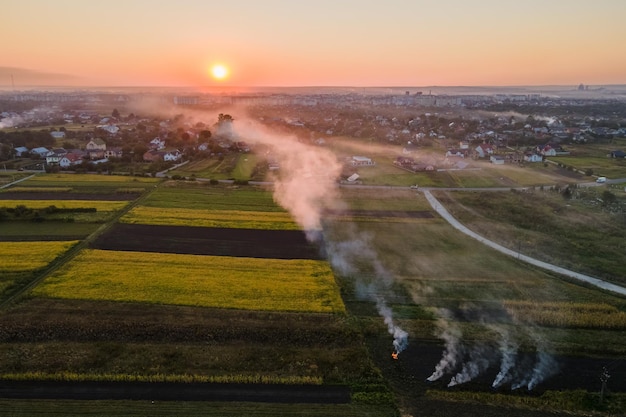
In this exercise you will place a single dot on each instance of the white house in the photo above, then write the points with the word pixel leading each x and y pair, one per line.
pixel 112 129
pixel 96 144
pixel 173 155
pixel 57 134
pixel 157 143
pixel 361 161
pixel 533 157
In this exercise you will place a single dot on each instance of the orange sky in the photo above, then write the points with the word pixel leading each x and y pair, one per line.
pixel 313 43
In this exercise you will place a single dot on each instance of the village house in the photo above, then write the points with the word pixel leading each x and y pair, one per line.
pixel 157 143
pixel 20 151
pixel 170 155
pixel 456 153
pixel 359 161
pixel 54 156
pixel 70 159
pixel 484 150
pixel 40 151
pixel 115 152
pixel 533 157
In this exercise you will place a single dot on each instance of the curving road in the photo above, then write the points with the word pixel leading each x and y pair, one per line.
pixel 436 205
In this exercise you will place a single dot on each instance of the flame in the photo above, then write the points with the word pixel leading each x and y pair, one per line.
pixel 395 355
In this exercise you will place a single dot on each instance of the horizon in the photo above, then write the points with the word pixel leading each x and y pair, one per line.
pixel 277 43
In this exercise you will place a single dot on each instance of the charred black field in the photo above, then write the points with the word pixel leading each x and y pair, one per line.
pixel 251 243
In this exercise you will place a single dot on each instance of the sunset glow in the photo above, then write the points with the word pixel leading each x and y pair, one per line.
pixel 347 43
pixel 219 72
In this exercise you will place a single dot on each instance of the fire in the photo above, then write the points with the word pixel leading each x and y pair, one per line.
pixel 395 355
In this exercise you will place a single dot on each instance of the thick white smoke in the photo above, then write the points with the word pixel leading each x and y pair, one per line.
pixel 477 364
pixel 400 337
pixel 306 186
pixel 508 351
pixel 451 334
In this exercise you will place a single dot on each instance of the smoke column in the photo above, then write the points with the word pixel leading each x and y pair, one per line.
pixel 477 364
pixel 508 351
pixel 453 351
pixel 306 183
pixel 400 337
pixel 306 186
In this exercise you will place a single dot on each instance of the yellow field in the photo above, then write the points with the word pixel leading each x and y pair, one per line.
pixel 211 218
pixel 28 256
pixel 563 314
pixel 65 204
pixel 207 281
pixel 40 189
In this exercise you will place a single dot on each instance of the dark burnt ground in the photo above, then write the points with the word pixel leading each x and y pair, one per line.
pixel 97 331
pixel 163 391
pixel 418 362
pixel 41 320
pixel 9 195
pixel 250 243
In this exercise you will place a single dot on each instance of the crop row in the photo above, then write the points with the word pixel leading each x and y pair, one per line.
pixel 213 218
pixel 40 189
pixel 63 179
pixel 592 315
pixel 65 204
pixel 209 281
pixel 29 256
pixel 188 379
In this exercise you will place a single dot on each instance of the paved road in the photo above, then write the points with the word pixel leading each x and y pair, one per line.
pixel 566 272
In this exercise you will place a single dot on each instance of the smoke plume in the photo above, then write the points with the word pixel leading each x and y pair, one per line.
pixel 453 350
pixel 306 186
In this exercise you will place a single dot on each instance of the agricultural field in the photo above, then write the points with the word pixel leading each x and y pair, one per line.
pixel 91 183
pixel 247 243
pixel 448 287
pixel 210 218
pixel 195 195
pixel 166 315
pixel 205 281
pixel 19 261
pixel 580 231
pixel 229 166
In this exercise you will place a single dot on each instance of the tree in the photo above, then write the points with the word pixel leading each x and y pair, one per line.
pixel 205 134
pixel 115 114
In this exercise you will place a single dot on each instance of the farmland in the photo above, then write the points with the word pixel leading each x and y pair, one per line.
pixel 223 282
pixel 210 218
pixel 141 304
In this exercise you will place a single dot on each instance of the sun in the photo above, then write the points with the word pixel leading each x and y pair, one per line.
pixel 219 71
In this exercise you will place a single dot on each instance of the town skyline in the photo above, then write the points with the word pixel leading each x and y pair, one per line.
pixel 276 43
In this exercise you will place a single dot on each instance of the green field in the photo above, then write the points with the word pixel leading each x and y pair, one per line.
pixel 207 281
pixel 181 195
pixel 577 233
